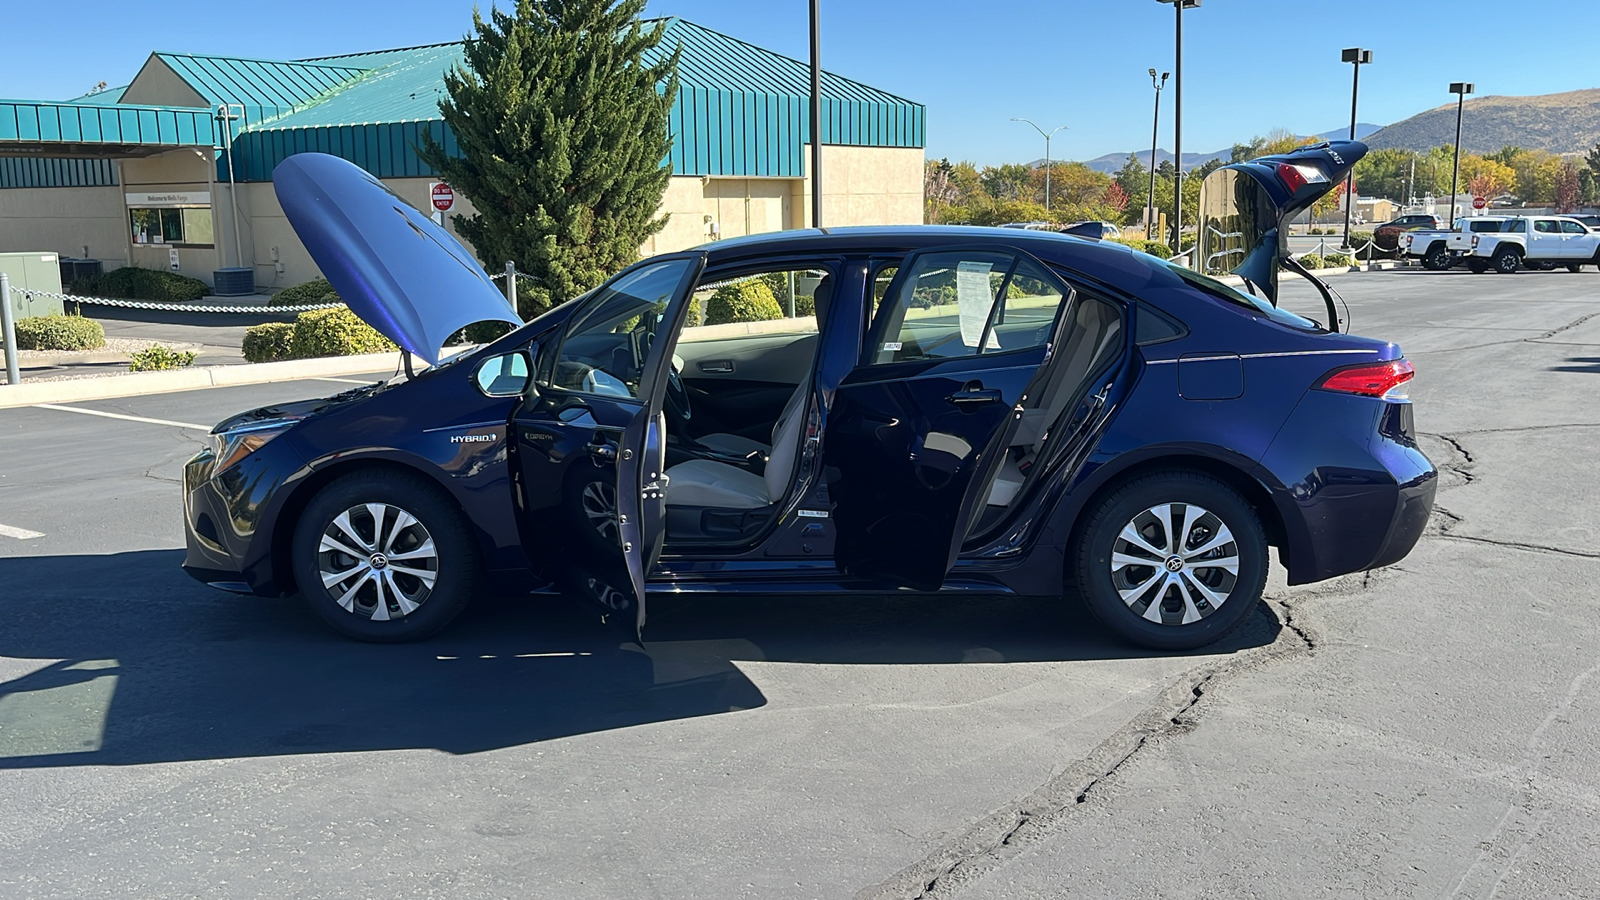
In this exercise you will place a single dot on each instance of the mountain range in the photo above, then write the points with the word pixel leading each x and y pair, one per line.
pixel 1111 162
pixel 1559 123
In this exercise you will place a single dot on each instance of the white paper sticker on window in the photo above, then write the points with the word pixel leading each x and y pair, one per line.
pixel 974 297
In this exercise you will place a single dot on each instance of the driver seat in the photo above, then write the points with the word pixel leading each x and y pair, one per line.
pixel 708 483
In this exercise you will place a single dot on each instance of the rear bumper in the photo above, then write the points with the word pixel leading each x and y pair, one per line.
pixel 1349 505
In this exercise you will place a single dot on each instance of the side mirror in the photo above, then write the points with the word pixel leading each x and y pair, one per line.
pixel 506 375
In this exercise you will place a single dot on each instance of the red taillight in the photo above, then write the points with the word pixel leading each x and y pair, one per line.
pixel 1292 177
pixel 1382 379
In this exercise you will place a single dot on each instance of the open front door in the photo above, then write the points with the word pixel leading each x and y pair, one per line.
pixel 591 438
pixel 919 429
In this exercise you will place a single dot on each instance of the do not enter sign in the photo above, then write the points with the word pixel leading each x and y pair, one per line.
pixel 444 196
pixel 1477 203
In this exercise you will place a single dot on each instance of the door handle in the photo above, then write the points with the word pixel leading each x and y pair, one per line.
pixel 975 393
pixel 717 367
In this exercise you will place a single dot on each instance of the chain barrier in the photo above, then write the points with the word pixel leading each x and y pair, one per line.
pixel 176 307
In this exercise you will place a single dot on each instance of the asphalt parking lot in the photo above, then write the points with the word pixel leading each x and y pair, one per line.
pixel 1431 729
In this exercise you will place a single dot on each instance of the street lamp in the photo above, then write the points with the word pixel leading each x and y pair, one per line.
pixel 1046 155
pixel 1178 6
pixel 1358 57
pixel 1461 89
pixel 1150 207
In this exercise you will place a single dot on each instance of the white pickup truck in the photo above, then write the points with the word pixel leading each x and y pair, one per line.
pixel 1538 242
pixel 1439 250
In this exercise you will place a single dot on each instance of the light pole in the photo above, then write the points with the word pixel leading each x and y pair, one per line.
pixel 1178 6
pixel 1046 155
pixel 1150 207
pixel 1461 89
pixel 816 113
pixel 1358 57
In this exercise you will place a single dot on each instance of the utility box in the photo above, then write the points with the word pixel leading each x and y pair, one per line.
pixel 37 271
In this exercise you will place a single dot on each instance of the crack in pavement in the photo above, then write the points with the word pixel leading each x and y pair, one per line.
pixel 1537 339
pixel 986 844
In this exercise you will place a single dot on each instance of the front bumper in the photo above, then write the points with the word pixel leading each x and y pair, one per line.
pixel 228 518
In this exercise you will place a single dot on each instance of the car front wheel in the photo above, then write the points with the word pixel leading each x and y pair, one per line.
pixel 1172 560
pixel 384 556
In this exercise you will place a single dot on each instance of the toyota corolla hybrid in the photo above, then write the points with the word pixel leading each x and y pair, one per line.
pixel 960 410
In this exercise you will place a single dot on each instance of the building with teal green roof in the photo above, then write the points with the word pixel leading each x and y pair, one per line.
pixel 147 173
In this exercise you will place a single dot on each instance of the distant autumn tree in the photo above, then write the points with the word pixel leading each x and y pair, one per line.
pixel 1567 187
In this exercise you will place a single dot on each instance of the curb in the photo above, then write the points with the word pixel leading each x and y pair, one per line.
pixel 92 357
pixel 138 383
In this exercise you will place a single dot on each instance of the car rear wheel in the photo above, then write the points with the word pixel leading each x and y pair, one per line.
pixel 1574 267
pixel 384 556
pixel 1172 560
pixel 1478 266
pixel 1506 261
pixel 1437 259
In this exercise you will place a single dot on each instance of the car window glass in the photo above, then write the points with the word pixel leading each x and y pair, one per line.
pixel 607 341
pixel 1572 228
pixel 779 302
pixel 1224 292
pixel 1545 226
pixel 945 307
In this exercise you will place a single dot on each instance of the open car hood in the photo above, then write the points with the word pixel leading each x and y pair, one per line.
pixel 401 273
pixel 1245 209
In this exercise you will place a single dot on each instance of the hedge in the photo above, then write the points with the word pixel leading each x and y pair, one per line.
pixel 1154 248
pixel 157 357
pixel 335 332
pixel 749 301
pixel 134 283
pixel 59 333
pixel 306 294
pixel 1310 260
pixel 269 342
pixel 1338 261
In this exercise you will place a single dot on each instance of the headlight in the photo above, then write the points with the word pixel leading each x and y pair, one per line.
pixel 236 443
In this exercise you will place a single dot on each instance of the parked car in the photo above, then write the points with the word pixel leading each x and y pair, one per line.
pixel 1537 242
pixel 1589 220
pixel 1439 250
pixel 969 411
pixel 1387 235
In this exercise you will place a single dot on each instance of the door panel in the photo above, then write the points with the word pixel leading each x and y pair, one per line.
pixel 920 427
pixel 590 439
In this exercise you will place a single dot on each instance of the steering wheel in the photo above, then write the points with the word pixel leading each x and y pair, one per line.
pixel 677 396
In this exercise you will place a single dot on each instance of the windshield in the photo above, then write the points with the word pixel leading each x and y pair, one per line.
pixel 1239 298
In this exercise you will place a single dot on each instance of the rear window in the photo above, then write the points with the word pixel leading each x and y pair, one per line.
pixel 1239 298
pixel 1486 226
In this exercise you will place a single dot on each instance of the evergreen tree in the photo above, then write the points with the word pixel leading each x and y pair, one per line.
pixel 560 111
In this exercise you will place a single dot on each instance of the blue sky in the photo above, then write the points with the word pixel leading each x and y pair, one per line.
pixel 1250 65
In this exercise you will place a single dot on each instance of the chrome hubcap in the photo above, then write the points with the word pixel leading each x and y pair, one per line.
pixel 1175 564
pixel 377 561
pixel 600 509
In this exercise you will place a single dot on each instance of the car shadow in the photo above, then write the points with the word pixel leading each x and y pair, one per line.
pixel 120 660
pixel 1590 364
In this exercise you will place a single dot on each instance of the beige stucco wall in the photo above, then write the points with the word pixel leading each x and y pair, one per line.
pixel 157 85
pixel 861 186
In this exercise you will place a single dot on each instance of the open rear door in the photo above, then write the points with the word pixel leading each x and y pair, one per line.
pixel 918 429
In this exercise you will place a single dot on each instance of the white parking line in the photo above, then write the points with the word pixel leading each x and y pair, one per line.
pixel 112 415
pixel 21 534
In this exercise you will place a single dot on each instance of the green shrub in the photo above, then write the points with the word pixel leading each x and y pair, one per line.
pixel 749 301
pixel 268 342
pixel 135 283
pixel 59 333
pixel 335 332
pixel 1154 248
pixel 1338 261
pixel 307 294
pixel 157 357
pixel 1310 260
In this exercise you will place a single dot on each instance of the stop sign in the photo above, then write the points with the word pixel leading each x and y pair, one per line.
pixel 444 197
pixel 1479 203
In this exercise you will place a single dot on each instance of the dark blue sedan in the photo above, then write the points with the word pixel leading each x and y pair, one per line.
pixel 963 410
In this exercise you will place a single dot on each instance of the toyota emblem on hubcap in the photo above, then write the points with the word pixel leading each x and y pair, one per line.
pixel 379 561
pixel 1174 564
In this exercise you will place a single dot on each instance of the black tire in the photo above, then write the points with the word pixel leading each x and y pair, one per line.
pixel 1574 267
pixel 1099 577
pixel 454 564
pixel 1478 265
pixel 1506 261
pixel 591 497
pixel 1437 259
